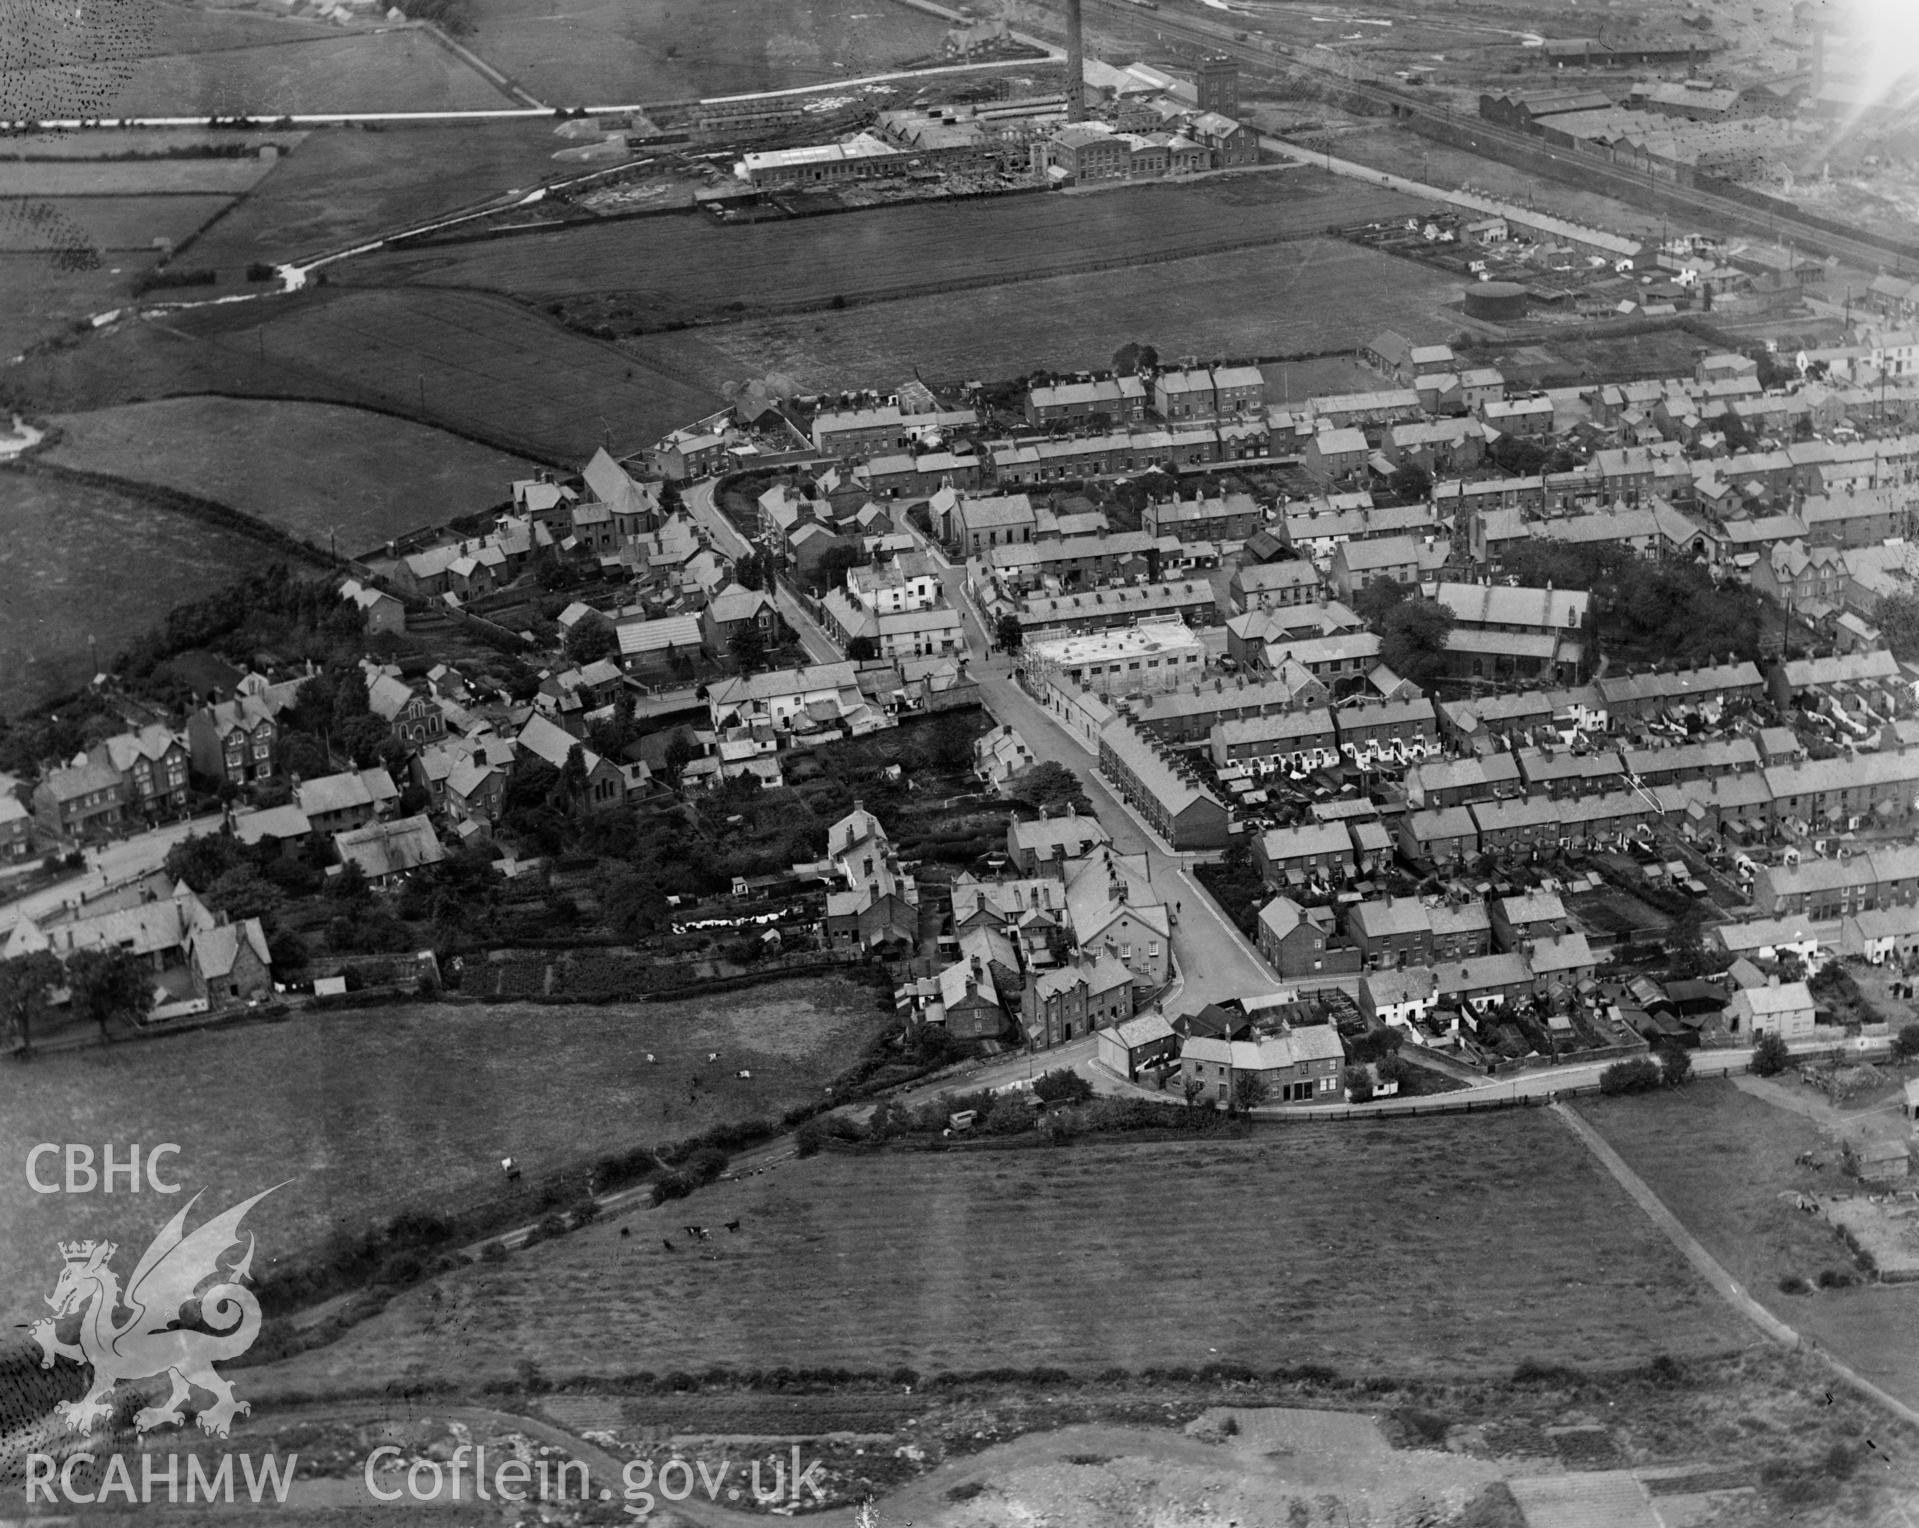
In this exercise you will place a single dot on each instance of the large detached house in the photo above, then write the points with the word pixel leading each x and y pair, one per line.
pixel 154 763
pixel 85 799
pixel 233 740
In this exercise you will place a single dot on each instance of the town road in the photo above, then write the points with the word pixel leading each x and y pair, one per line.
pixel 107 865
pixel 979 641
pixel 699 500
pixel 1216 961
pixel 1001 1071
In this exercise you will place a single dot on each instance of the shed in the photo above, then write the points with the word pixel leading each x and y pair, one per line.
pixel 1878 1159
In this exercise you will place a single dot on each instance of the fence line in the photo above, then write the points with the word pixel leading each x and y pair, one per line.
pixel 1710 1065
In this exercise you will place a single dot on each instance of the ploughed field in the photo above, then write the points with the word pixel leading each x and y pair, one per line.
pixel 1409 1247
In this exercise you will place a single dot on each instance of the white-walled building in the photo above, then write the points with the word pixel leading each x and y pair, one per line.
pixel 1147 659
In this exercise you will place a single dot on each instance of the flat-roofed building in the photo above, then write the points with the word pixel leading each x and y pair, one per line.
pixel 1131 660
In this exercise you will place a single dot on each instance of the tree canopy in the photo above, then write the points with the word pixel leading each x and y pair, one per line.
pixel 835 561
pixel 1650 611
pixel 747 647
pixel 107 985
pixel 1897 615
pixel 1373 603
pixel 1050 784
pixel 1411 481
pixel 591 639
pixel 26 995
pixel 1413 640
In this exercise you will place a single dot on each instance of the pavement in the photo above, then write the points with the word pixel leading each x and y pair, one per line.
pixel 699 500
pixel 108 865
pixel 1215 960
pixel 1524 1087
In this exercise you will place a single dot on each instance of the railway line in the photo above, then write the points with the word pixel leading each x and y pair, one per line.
pixel 1488 138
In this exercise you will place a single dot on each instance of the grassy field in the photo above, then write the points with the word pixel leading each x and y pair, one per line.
pixel 1368 1248
pixel 383 475
pixel 177 28
pixel 119 224
pixel 605 52
pixel 81 562
pixel 484 363
pixel 347 183
pixel 1303 296
pixel 1290 382
pixel 392 70
pixel 127 177
pixel 371 1112
pixel 670 269
pixel 507 373
pixel 43 300
pixel 1721 1159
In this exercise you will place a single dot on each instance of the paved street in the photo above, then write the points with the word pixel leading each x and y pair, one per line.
pixel 1215 961
pixel 106 866
pixel 699 500
pixel 979 641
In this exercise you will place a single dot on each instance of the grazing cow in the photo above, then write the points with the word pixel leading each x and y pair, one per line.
pixel 732 1225
pixel 668 1245
pixel 746 1075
